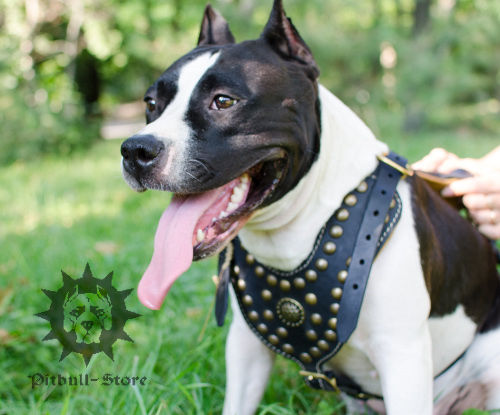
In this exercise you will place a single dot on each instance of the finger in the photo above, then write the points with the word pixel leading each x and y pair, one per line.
pixel 433 160
pixel 477 201
pixel 488 183
pixel 454 163
pixel 486 216
pixel 490 231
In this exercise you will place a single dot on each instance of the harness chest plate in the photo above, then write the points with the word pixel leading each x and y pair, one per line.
pixel 300 314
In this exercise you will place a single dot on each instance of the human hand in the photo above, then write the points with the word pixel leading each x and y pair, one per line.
pixel 481 196
pixel 481 193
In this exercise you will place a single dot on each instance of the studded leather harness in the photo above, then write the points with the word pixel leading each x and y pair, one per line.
pixel 309 313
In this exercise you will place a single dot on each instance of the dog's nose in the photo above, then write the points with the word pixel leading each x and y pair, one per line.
pixel 140 153
pixel 87 324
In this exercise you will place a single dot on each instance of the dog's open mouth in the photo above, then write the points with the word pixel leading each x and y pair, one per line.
pixel 198 225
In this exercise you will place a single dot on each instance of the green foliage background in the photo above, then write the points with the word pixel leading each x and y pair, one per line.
pixel 444 75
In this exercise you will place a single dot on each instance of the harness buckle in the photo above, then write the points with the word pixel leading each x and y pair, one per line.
pixel 314 375
pixel 404 170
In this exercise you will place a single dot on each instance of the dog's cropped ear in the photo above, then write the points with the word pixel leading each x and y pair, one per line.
pixel 282 35
pixel 214 29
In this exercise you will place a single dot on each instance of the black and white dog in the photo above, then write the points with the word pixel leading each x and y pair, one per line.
pixel 251 144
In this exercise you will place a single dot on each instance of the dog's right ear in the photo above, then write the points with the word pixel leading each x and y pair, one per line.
pixel 214 29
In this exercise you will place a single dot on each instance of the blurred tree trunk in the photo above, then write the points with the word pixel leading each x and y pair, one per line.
pixel 176 25
pixel 421 16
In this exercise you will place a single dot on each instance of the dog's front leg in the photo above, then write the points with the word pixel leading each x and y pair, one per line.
pixel 248 365
pixel 404 364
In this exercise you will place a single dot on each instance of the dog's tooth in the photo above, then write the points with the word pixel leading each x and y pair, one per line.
pixel 231 206
pixel 223 214
pixel 237 197
pixel 244 179
pixel 200 235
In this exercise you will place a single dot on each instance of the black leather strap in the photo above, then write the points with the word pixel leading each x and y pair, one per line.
pixel 365 247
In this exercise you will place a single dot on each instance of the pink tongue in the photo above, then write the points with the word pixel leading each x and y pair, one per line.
pixel 173 247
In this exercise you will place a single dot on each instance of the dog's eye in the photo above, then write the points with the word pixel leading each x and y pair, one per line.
pixel 222 102
pixel 150 104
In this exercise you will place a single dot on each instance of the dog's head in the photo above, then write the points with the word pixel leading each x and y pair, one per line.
pixel 231 127
pixel 87 314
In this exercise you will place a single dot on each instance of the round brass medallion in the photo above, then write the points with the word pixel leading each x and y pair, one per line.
pixel 290 312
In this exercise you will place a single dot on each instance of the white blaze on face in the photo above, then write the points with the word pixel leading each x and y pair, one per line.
pixel 171 127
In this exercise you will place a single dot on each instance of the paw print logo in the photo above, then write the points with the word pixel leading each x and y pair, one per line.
pixel 87 315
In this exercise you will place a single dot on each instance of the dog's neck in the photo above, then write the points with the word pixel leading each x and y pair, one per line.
pixel 283 234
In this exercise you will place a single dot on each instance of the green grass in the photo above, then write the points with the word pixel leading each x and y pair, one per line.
pixel 60 213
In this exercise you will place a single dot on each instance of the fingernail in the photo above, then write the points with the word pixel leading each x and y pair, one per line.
pixel 447 192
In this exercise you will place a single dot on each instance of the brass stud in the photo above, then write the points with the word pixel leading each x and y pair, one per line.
pixel 315 351
pixel 287 348
pixel 337 293
pixel 268 314
pixel 329 248
pixel 321 264
pixel 316 319
pixel 311 335
pixel 250 259
pixel 332 323
pixel 334 308
pixel 285 285
pixel 363 187
pixel 236 270
pixel 311 275
pixel 305 357
pixel 350 200
pixel 272 280
pixel 343 215
pixel 311 299
pixel 387 219
pixel 253 315
pixel 330 335
pixel 342 276
pixel 259 271
pixel 299 283
pixel 336 231
pixel 282 332
pixel 290 312
pixel 247 300
pixel 323 345
pixel 242 284
pixel 348 261
pixel 273 339
pixel 266 295
pixel 393 204
pixel 262 328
